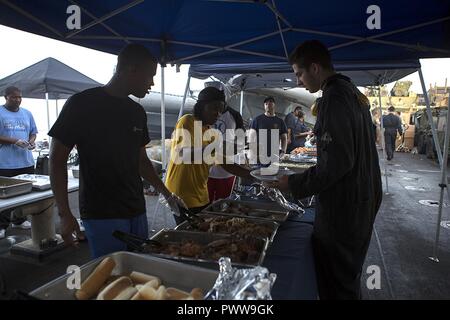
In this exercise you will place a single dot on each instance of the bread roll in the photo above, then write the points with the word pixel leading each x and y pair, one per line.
pixel 137 296
pixel 93 283
pixel 115 288
pixel 148 292
pixel 126 294
pixel 161 293
pixel 176 294
pixel 138 287
pixel 197 294
pixel 142 278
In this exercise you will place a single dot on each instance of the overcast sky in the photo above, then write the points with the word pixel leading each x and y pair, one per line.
pixel 21 49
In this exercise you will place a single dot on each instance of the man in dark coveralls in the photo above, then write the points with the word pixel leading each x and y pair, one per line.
pixel 392 124
pixel 346 179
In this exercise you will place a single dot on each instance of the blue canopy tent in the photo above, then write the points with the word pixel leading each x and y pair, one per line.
pixel 202 31
pixel 244 31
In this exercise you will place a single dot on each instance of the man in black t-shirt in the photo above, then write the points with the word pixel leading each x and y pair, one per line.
pixel 265 127
pixel 297 130
pixel 110 132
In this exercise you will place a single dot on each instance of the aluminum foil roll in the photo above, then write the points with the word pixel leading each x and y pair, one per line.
pixel 241 284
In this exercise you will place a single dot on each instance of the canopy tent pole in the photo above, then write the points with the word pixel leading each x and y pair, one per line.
pixel 32 17
pixel 57 111
pixel 278 17
pixel 186 90
pixel 48 112
pixel 433 126
pixel 101 23
pixel 163 151
pixel 163 121
pixel 241 108
pixel 105 17
pixel 442 185
pixel 383 144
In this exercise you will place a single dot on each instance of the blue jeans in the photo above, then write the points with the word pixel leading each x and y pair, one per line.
pixel 99 233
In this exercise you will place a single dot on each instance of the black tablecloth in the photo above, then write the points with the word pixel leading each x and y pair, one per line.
pixel 290 256
pixel 308 216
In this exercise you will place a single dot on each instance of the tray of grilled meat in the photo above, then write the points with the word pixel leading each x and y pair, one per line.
pixel 228 224
pixel 200 248
pixel 260 210
pixel 11 187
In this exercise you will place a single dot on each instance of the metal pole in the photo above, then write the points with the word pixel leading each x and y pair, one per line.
pixel 48 111
pixel 163 121
pixel 442 185
pixel 241 109
pixel 186 90
pixel 57 111
pixel 430 120
pixel 383 144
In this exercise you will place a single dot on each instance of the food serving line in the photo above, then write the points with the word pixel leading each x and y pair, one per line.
pixel 287 252
pixel 253 231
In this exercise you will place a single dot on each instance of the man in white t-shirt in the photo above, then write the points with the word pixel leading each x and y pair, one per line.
pixel 221 182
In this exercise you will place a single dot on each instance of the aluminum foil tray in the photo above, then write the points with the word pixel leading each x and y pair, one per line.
pixel 10 187
pixel 172 274
pixel 260 210
pixel 208 255
pixel 249 223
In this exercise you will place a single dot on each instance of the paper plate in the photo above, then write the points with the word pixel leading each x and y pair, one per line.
pixel 266 175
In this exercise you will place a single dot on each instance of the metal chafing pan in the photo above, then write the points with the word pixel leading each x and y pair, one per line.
pixel 257 210
pixel 40 182
pixel 272 225
pixel 167 237
pixel 172 274
pixel 10 187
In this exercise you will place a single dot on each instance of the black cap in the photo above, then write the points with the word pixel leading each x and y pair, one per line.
pixel 270 98
pixel 211 94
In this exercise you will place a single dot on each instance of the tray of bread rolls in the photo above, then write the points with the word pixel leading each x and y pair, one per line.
pixel 130 276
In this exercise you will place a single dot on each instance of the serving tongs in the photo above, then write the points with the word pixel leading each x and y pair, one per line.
pixel 192 219
pixel 135 242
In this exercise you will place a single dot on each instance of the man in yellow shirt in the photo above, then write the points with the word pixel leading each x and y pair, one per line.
pixel 188 171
